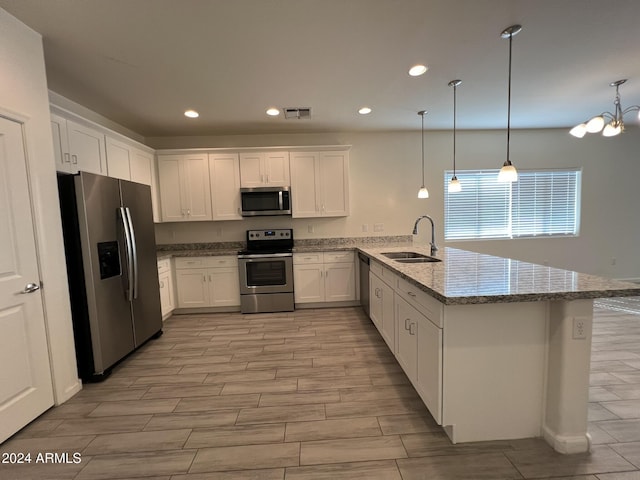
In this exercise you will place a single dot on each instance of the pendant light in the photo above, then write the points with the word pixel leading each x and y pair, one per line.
pixel 616 122
pixel 508 172
pixel 454 183
pixel 423 192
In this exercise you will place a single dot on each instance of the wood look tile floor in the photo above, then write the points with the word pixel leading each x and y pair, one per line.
pixel 312 394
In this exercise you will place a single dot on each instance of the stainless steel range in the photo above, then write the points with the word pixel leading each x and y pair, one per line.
pixel 266 271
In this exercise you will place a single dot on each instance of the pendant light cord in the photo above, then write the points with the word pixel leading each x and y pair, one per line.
pixel 422 116
pixel 455 87
pixel 509 100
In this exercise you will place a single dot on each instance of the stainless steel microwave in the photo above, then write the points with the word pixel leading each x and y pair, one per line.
pixel 265 201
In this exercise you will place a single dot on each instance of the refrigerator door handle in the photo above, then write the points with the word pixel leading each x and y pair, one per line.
pixel 134 251
pixel 129 252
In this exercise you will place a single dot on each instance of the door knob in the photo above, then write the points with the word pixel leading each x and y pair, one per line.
pixel 30 288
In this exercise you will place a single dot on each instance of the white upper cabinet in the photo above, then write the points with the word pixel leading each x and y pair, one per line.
pixel 185 190
pixel 78 147
pixel 224 173
pixel 264 169
pixel 118 159
pixel 141 166
pixel 320 184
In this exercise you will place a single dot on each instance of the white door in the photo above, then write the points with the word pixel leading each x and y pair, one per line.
pixel 25 377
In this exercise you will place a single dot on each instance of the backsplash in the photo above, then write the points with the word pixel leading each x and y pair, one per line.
pixel 301 243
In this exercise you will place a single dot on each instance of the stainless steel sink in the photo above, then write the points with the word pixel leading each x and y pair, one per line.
pixel 396 255
pixel 418 260
pixel 410 257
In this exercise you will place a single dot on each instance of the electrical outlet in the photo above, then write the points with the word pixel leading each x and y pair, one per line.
pixel 378 227
pixel 579 328
pixel 614 261
pixel 311 229
pixel 365 227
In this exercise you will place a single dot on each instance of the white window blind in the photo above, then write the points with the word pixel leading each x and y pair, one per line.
pixel 540 203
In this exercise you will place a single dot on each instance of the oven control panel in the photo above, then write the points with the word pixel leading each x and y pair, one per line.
pixel 277 234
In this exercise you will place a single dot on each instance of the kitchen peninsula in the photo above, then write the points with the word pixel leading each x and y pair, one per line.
pixel 496 348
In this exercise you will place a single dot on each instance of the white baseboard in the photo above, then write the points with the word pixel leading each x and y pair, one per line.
pixel 567 444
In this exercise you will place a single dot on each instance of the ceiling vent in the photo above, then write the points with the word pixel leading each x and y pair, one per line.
pixel 299 113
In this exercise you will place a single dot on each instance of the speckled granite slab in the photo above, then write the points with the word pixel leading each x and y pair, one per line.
pixel 465 277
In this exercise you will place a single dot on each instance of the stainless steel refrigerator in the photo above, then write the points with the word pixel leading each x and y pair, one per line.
pixel 112 268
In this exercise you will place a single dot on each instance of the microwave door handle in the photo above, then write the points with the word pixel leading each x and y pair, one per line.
pixel 280 199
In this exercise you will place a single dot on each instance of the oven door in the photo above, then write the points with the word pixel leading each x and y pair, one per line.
pixel 266 273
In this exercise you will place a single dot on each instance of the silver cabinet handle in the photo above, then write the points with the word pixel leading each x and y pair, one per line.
pixel 411 294
pixel 406 323
pixel 411 332
pixel 30 288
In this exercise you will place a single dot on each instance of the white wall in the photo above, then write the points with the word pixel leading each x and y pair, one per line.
pixel 385 176
pixel 23 90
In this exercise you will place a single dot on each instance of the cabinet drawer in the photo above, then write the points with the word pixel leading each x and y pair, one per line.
pixel 338 257
pixel 425 303
pixel 189 262
pixel 221 261
pixel 376 268
pixel 302 258
pixel 164 265
pixel 384 273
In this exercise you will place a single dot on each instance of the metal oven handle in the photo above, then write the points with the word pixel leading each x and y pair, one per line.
pixel 264 255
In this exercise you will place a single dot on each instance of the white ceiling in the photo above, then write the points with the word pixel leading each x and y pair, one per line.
pixel 141 63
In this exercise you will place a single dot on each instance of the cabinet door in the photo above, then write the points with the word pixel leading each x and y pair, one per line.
pixel 61 145
pixel 87 148
pixel 334 184
pixel 429 366
pixel 193 288
pixel 388 323
pixel 224 172
pixel 406 338
pixel 251 174
pixel 170 188
pixel 375 300
pixel 304 186
pixel 276 169
pixel 118 159
pixel 224 287
pixel 141 166
pixel 308 281
pixel 339 282
pixel 196 193
pixel 167 302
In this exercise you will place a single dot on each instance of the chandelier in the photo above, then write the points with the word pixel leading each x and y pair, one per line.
pixel 610 124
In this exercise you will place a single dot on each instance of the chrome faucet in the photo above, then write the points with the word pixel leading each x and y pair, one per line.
pixel 434 248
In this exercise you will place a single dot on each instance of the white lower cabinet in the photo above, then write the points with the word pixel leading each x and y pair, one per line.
pixel 428 381
pixel 411 323
pixel 207 282
pixel 167 295
pixel 406 337
pixel 324 277
pixel 419 353
pixel 382 309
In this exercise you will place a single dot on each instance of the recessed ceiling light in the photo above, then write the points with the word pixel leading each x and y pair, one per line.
pixel 273 111
pixel 191 114
pixel 364 111
pixel 418 70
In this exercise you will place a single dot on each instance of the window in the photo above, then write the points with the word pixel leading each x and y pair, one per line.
pixel 540 203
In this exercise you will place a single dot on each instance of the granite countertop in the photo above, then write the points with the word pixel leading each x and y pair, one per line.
pixel 465 277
